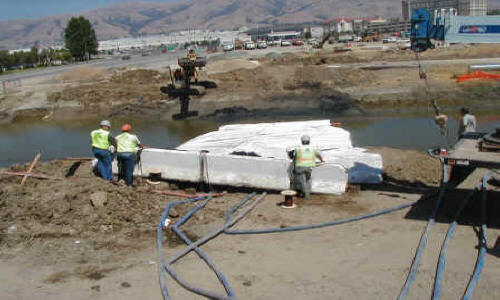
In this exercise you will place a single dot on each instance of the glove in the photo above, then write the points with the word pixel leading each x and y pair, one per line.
pixel 111 149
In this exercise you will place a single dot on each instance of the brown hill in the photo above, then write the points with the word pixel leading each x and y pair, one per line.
pixel 130 19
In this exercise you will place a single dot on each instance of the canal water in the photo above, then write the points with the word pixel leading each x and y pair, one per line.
pixel 20 141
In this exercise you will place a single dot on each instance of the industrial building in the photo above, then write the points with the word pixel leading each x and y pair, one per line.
pixel 463 7
pixel 366 26
pixel 284 35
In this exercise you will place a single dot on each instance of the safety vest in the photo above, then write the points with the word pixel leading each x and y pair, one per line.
pixel 126 142
pixel 100 139
pixel 305 156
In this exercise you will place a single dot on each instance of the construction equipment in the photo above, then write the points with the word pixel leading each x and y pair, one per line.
pixel 185 83
pixel 326 38
pixel 425 29
pixel 371 38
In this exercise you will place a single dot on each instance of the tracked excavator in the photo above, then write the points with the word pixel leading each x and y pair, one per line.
pixel 184 83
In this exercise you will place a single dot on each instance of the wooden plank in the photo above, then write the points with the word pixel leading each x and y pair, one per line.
pixel 25 174
pixel 79 158
pixel 33 163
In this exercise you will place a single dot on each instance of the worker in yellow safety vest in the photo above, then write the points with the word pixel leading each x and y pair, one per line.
pixel 127 147
pixel 103 145
pixel 304 158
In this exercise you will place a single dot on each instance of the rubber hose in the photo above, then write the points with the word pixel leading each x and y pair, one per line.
pixel 200 252
pixel 159 242
pixel 444 247
pixel 412 274
pixel 483 242
pixel 320 225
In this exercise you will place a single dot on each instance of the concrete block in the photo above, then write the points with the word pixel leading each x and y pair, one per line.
pixel 329 179
pixel 173 164
pixel 247 171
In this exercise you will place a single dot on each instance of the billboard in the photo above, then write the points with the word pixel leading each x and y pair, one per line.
pixel 467 29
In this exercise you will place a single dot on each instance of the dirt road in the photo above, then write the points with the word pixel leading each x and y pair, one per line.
pixel 87 239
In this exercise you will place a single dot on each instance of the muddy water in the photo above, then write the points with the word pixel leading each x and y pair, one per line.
pixel 19 141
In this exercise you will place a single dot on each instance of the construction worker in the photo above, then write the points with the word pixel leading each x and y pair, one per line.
pixel 191 54
pixel 127 146
pixel 103 145
pixel 304 158
pixel 466 122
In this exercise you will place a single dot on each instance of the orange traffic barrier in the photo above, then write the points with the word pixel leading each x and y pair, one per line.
pixel 478 75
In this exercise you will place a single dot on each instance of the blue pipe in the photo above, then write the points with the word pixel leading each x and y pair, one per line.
pixel 159 242
pixel 319 225
pixel 202 254
pixel 483 242
pixel 423 239
pixel 444 247
pixel 194 246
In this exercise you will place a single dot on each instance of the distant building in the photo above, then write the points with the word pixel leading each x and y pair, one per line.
pixel 463 7
pixel 317 32
pixel 283 35
pixel 366 26
pixel 389 26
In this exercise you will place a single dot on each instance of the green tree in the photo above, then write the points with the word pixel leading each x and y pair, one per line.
pixel 66 56
pixel 80 38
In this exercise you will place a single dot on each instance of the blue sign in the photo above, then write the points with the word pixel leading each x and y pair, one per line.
pixel 479 29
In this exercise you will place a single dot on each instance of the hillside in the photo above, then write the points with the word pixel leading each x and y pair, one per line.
pixel 130 19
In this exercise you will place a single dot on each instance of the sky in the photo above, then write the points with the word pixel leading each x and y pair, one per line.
pixel 33 9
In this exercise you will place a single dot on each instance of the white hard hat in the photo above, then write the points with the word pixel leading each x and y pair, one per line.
pixel 105 123
pixel 305 139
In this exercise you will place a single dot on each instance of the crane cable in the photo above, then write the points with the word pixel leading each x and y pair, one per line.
pixel 439 118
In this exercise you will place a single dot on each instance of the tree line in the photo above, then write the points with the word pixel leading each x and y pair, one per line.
pixel 33 58
pixel 80 44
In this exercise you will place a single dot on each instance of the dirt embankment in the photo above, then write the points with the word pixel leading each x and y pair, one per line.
pixel 300 81
pixel 91 224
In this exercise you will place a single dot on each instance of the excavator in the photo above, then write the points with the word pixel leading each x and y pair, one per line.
pixel 184 83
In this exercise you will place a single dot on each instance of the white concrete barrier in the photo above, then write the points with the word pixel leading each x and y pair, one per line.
pixel 329 179
pixel 247 171
pixel 173 164
pixel 235 170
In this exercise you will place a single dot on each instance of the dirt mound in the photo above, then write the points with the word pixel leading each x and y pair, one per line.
pixel 82 74
pixel 81 206
pixel 140 76
pixel 230 65
pixel 124 87
pixel 409 167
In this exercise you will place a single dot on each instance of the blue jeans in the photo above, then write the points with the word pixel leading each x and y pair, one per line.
pixel 126 164
pixel 104 159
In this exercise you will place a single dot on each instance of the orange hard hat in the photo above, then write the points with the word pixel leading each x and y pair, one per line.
pixel 126 127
